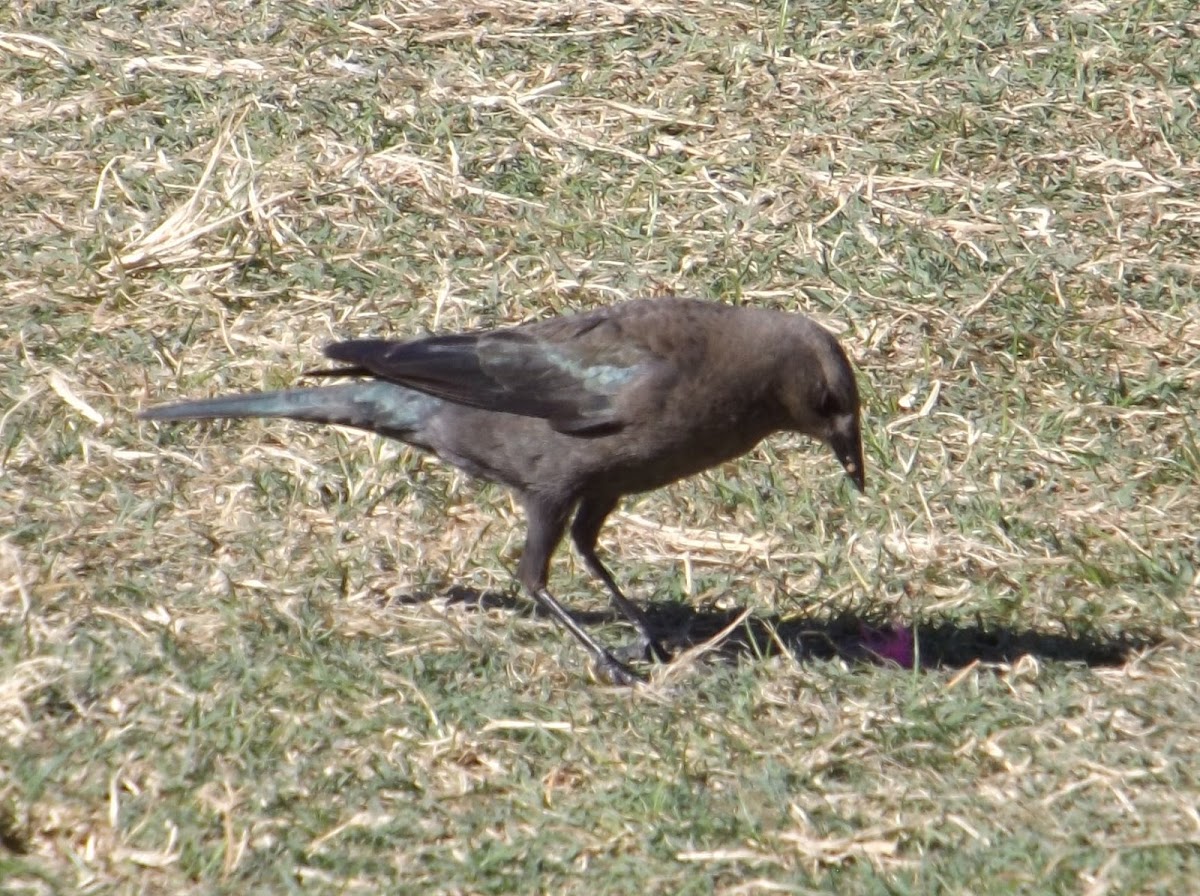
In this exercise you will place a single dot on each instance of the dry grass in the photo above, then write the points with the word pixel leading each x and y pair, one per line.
pixel 262 657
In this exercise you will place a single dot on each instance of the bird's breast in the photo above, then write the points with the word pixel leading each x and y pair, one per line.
pixel 643 458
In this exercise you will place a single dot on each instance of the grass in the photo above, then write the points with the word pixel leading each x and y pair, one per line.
pixel 268 658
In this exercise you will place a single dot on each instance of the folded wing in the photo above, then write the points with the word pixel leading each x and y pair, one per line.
pixel 570 376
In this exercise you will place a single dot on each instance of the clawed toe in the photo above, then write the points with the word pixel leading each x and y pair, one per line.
pixel 657 652
pixel 616 672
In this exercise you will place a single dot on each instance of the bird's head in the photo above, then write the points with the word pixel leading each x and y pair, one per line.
pixel 820 395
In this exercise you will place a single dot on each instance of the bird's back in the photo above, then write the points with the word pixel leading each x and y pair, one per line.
pixel 705 395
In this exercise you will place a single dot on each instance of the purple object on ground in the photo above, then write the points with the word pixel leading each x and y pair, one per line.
pixel 892 643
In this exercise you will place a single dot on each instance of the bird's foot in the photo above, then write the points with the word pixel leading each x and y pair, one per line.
pixel 644 648
pixel 658 652
pixel 612 670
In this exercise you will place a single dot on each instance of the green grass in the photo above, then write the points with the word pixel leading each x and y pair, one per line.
pixel 271 658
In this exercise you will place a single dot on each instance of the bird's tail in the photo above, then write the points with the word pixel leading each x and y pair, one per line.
pixel 375 406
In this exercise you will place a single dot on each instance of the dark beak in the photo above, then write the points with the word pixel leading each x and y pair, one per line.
pixel 846 442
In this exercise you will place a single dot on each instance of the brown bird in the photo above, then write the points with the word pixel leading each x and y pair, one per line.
pixel 572 413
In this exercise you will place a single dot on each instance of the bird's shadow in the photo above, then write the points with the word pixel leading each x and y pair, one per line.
pixel 735 635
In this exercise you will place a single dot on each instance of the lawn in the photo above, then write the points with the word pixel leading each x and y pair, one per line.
pixel 263 657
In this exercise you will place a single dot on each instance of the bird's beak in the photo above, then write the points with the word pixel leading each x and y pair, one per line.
pixel 846 442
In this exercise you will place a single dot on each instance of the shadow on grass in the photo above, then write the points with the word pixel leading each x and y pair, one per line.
pixel 850 636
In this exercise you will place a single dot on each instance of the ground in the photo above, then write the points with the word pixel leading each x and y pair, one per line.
pixel 266 657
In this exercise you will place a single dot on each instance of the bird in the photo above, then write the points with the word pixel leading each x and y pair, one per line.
pixel 572 413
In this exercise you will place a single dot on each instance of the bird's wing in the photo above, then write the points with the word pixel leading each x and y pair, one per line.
pixel 567 371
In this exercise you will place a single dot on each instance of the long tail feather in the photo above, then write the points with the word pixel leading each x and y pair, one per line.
pixel 380 407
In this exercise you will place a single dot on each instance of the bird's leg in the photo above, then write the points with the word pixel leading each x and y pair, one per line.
pixel 584 532
pixel 546 526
